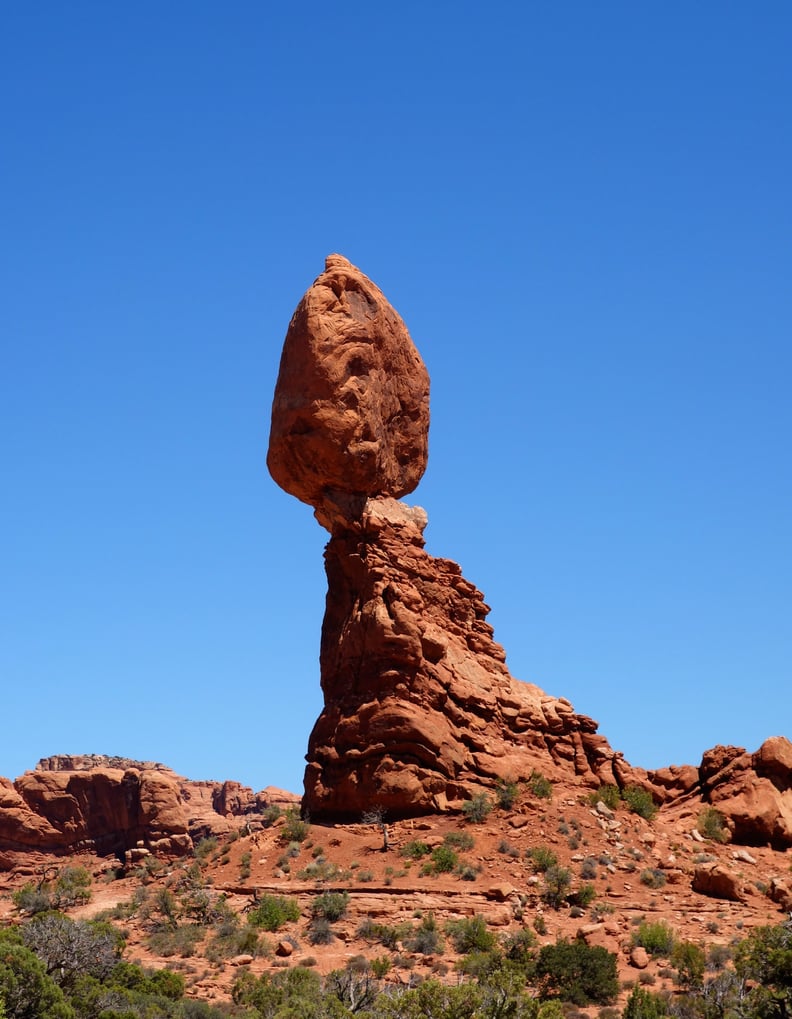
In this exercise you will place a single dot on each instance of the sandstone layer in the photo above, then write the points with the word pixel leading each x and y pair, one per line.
pixel 420 708
pixel 110 805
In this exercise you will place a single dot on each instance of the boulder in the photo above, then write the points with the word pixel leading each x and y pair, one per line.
pixel 715 880
pixel 350 417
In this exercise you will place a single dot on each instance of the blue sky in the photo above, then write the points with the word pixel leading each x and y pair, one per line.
pixel 583 213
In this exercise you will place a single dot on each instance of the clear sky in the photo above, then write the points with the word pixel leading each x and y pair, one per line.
pixel 583 212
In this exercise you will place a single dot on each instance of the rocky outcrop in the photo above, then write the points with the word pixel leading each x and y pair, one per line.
pixel 752 791
pixel 350 416
pixel 111 804
pixel 420 709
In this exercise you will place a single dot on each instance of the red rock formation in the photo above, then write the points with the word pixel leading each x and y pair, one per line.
pixel 753 791
pixel 112 804
pixel 350 416
pixel 420 708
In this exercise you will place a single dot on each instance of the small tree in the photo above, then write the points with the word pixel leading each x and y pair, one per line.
pixel 557 882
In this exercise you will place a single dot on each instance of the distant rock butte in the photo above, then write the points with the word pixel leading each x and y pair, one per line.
pixel 111 804
pixel 420 710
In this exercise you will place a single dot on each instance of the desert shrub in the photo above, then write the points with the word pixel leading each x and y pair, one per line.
pixel 584 896
pixel 415 850
pixel 364 876
pixel 204 848
pixel 69 948
pixel 540 786
pixel 505 847
pixel 712 825
pixel 643 1004
pixel 181 941
pixel 608 794
pixel 653 878
pixel 331 905
pixel 271 815
pixel 461 840
pixel 718 956
pixel 517 946
pixel 425 938
pixel 31 899
pixel 244 866
pixel 541 858
pixel 320 931
pixel 294 828
pixel 506 794
pixel 689 961
pixel 470 934
pixel 26 990
pixel 384 934
pixel 640 801
pixel 274 912
pixel 557 881
pixel 442 861
pixel 577 972
pixel 656 937
pixel 466 872
pixel 478 808
pixel 232 938
pixel 320 870
pixel 588 868
pixel 381 966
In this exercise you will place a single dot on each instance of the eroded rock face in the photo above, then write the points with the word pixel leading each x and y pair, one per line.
pixel 112 804
pixel 753 791
pixel 350 417
pixel 420 708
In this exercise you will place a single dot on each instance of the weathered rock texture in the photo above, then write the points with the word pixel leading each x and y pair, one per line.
pixel 753 791
pixel 420 709
pixel 419 706
pixel 350 416
pixel 110 805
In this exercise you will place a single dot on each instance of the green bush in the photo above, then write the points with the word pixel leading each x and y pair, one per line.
pixel 320 931
pixel 712 825
pixel 541 858
pixel 294 828
pixel 653 878
pixel 461 840
pixel 689 960
pixel 181 941
pixel 507 794
pixel 607 794
pixel 584 896
pixel 442 861
pixel 640 801
pixel 425 938
pixel 577 972
pixel 470 934
pixel 540 786
pixel 331 905
pixel 557 882
pixel 657 938
pixel 274 912
pixel 415 850
pixel 478 808
pixel 644 1005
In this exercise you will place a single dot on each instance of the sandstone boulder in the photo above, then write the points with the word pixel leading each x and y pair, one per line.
pixel 350 417
pixel 717 881
pixel 753 791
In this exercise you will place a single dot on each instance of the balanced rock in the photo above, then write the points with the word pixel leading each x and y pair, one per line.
pixel 419 707
pixel 350 417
